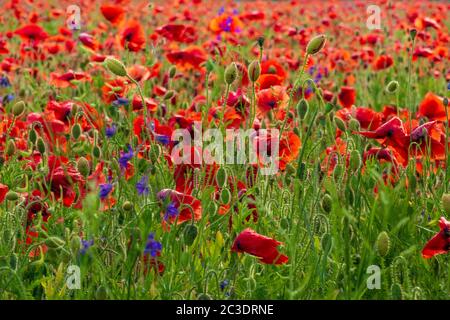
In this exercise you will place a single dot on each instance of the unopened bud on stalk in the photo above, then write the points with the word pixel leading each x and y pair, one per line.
pixel 169 95
pixel 12 196
pixel 116 67
pixel 340 124
pixel 231 73
pixel 354 124
pixel 260 41
pixel 127 206
pixel 40 144
pixel 96 152
pixel 18 108
pixel 172 71
pixel 383 244
pixel 254 70
pixel 83 166
pixel 446 202
pixel 76 131
pixel 355 159
pixel 32 136
pixel 392 86
pixel 302 108
pixel 316 44
pixel 10 148
pixel 445 102
pixel 413 33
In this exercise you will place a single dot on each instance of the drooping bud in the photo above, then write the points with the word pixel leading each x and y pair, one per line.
pixel 340 124
pixel 412 33
pixel 116 67
pixel 392 86
pixel 326 203
pixel 231 73
pixel 40 144
pixel 83 166
pixel 446 202
pixel 316 44
pixel 355 160
pixel 10 148
pixel 354 124
pixel 383 244
pixel 172 72
pixel 254 70
pixel 32 136
pixel 302 108
pixel 18 108
pixel 76 131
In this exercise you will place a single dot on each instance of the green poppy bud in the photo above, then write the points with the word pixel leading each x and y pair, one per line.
pixel 413 33
pixel 172 72
pixel 127 206
pixel 260 41
pixel 97 152
pixel 254 70
pixel 101 293
pixel 54 242
pixel 354 124
pixel 10 148
pixel 355 160
pixel 446 203
pixel 221 177
pixel 326 203
pixel 40 144
pixel 83 166
pixel 116 67
pixel 316 44
pixel 392 86
pixel 12 196
pixel 18 108
pixel 225 196
pixel 76 131
pixel 383 244
pixel 445 101
pixel 302 108
pixel 340 124
pixel 231 73
pixel 32 136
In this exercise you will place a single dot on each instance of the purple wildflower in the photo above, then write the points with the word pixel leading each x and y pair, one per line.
pixel 105 189
pixel 142 186
pixel 152 247
pixel 171 211
pixel 111 131
pixel 125 157
pixel 85 245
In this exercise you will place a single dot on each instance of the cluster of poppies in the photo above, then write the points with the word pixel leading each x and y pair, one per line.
pixel 151 48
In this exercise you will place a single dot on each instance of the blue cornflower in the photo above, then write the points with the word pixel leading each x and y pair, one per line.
pixel 152 246
pixel 7 98
pixel 4 82
pixel 221 11
pixel 85 245
pixel 163 139
pixel 105 189
pixel 125 157
pixel 142 186
pixel 223 284
pixel 448 86
pixel 111 131
pixel 171 211
pixel 120 101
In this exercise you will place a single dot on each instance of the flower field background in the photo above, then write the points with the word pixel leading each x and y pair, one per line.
pixel 95 203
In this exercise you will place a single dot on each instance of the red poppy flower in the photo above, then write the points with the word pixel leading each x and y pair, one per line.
pixel 383 62
pixel 260 246
pixel 432 107
pixel 112 13
pixel 3 191
pixel 347 96
pixel 272 99
pixel 226 23
pixel 113 89
pixel 132 37
pixel 367 118
pixel 177 32
pixel 266 81
pixel 32 32
pixel 65 80
pixel 189 58
pixel 179 206
pixel 440 243
pixel 88 41
pixel 273 67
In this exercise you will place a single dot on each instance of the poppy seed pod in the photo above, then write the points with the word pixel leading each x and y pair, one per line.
pixel 383 244
pixel 83 166
pixel 316 44
pixel 231 73
pixel 260 41
pixel 392 86
pixel 127 206
pixel 76 131
pixel 18 108
pixel 254 70
pixel 116 67
pixel 446 202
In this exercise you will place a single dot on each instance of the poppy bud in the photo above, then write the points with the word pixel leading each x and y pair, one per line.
pixel 32 136
pixel 116 67
pixel 316 44
pixel 12 196
pixel 225 196
pixel 204 296
pixel 392 86
pixel 172 71
pixel 302 108
pixel 96 152
pixel 76 131
pixel 190 233
pixel 40 144
pixel 383 244
pixel 18 108
pixel 101 293
pixel 75 243
pixel 254 70
pixel 284 223
pixel 169 95
pixel 155 153
pixel 127 206
pixel 209 66
pixel 396 291
pixel 301 170
pixel 260 41
pixel 326 203
pixel 10 148
pixel 446 202
pixel 340 124
pixel 412 33
pixel 221 177
pixel 230 73
pixel 355 160
pixel 338 171
pixel 354 124
pixel 445 101
pixel 326 242
pixel 83 166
